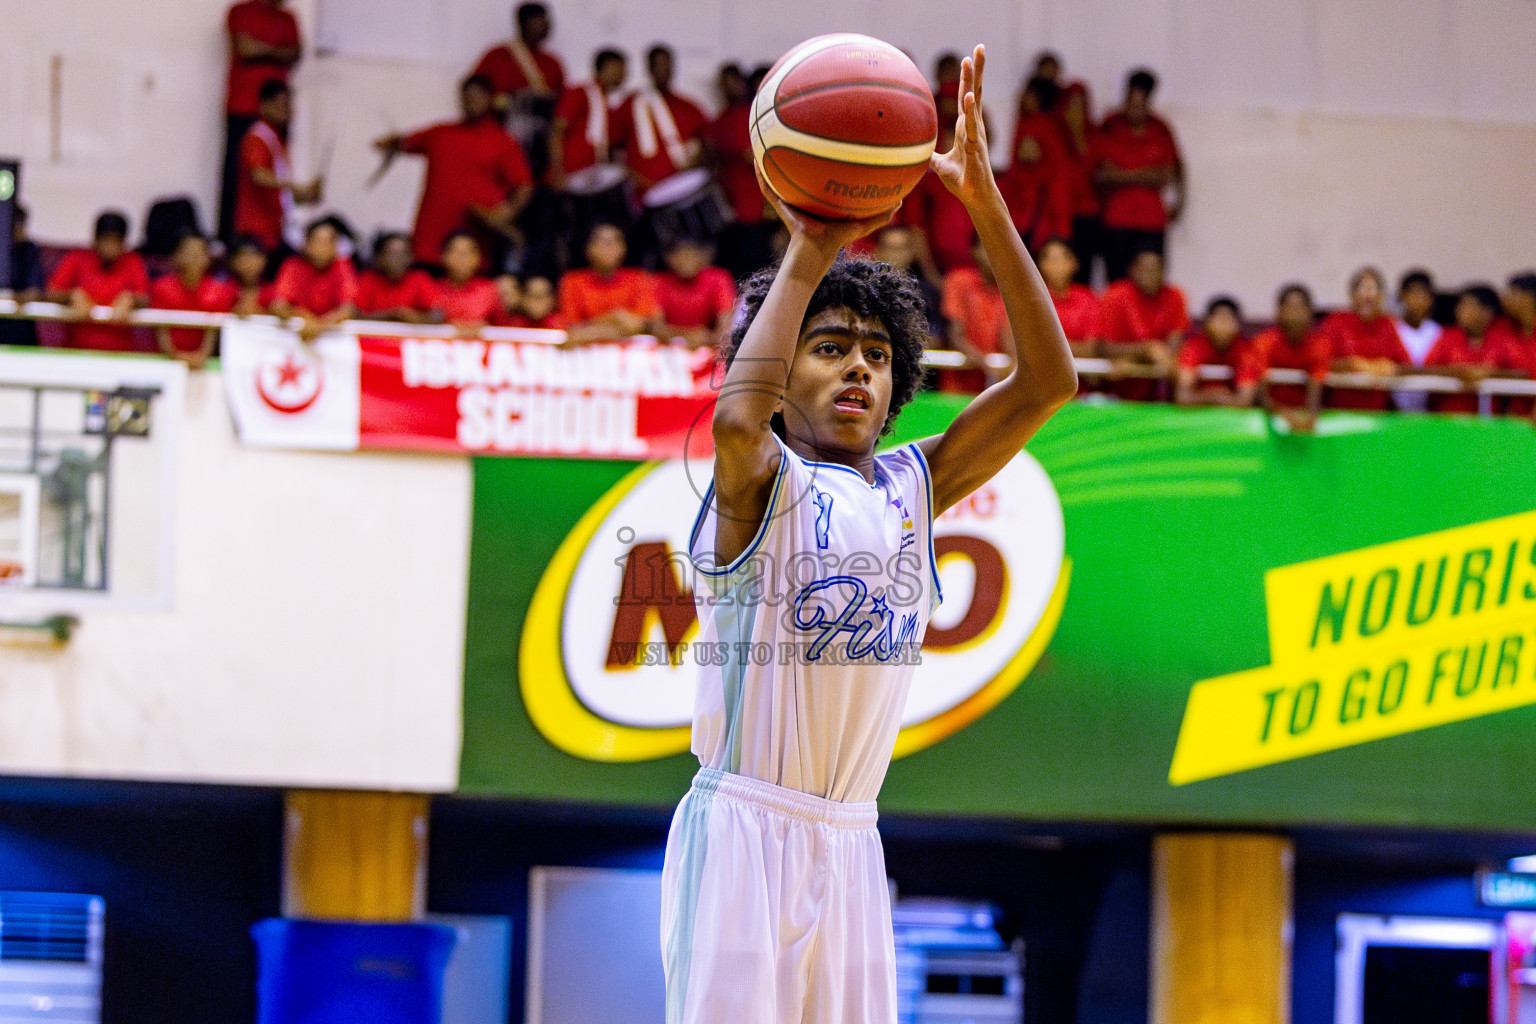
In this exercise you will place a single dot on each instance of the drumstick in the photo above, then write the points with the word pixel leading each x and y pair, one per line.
pixel 329 152
pixel 383 168
pixel 389 157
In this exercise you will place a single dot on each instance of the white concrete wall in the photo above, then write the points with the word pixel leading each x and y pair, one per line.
pixel 1319 134
pixel 139 106
pixel 315 638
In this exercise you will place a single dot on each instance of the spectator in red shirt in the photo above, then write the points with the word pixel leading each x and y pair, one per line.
pixel 607 300
pixel 521 66
pixel 978 322
pixel 267 188
pixel 1220 342
pixel 1076 306
pixel 106 274
pixel 1135 159
pixel 1294 343
pixel 190 286
pixel 660 130
pixel 248 270
pixel 1518 325
pixel 1143 320
pixel 391 289
pixel 695 297
pixel 478 179
pixel 1074 103
pixel 946 87
pixel 526 81
pixel 1364 340
pixel 582 133
pixel 744 244
pixel 1035 185
pixel 583 166
pixel 537 307
pixel 1517 330
pixel 318 284
pixel 264 46
pixel 1073 111
pixel 509 296
pixel 1471 351
pixel 465 299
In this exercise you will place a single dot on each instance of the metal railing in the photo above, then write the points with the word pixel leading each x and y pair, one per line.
pixel 52 312
pixel 1486 389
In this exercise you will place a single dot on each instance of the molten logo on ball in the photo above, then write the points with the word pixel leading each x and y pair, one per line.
pixel 846 191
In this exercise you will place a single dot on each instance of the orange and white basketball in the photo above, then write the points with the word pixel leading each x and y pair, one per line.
pixel 843 126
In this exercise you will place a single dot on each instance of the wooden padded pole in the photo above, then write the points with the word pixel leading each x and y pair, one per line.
pixel 355 856
pixel 1221 929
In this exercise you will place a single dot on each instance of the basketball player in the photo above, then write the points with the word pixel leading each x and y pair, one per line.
pixel 818 553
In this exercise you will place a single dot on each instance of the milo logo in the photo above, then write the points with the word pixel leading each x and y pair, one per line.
pixel 610 650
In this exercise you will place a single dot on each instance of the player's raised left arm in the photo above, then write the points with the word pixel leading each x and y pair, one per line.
pixel 998 422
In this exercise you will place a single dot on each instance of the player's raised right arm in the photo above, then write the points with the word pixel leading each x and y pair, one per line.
pixel 746 454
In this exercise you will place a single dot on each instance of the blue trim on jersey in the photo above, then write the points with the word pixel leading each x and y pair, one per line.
pixel 757 539
pixel 698 524
pixel 933 561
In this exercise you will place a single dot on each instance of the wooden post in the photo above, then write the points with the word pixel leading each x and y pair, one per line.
pixel 1221 929
pixel 355 856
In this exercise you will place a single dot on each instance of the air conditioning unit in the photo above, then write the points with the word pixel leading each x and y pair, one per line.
pixel 971 987
pixel 50 957
pixel 952 966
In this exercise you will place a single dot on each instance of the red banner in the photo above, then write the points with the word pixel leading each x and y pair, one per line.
pixel 631 401
pixel 634 400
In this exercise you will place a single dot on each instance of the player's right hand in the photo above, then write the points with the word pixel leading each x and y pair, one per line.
pixel 827 236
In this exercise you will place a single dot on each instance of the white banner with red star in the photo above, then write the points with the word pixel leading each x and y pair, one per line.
pixel 501 396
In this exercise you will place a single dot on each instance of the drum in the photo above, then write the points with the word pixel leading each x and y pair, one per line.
pixel 687 204
pixel 598 195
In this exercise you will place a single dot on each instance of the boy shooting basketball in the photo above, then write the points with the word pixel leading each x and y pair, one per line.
pixel 820 551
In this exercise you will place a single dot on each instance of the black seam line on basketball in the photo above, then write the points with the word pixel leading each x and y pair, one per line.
pixel 760 145
pixel 877 83
pixel 792 183
pixel 893 86
pixel 833 138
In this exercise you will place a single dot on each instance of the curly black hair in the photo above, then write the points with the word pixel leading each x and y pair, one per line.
pixel 870 289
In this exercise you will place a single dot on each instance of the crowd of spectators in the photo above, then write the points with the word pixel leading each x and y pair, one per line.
pixel 583 207
pixel 1141 327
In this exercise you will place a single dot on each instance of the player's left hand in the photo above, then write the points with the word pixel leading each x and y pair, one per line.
pixel 966 170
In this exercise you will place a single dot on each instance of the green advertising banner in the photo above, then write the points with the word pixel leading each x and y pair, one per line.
pixel 1153 614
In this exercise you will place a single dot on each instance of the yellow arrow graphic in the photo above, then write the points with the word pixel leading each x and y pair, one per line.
pixel 1372 643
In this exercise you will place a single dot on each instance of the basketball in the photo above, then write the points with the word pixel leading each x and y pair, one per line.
pixel 843 126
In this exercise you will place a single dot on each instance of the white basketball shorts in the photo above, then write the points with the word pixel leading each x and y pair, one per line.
pixel 775 908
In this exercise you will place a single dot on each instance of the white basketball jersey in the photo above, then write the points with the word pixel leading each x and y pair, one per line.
pixel 812 635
